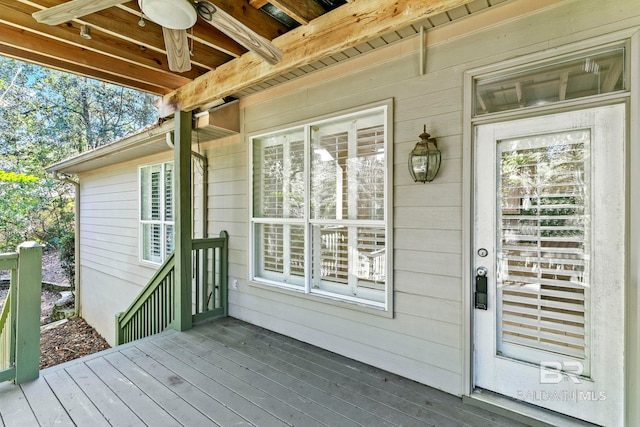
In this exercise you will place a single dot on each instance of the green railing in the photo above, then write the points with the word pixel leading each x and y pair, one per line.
pixel 7 338
pixel 154 309
pixel 20 315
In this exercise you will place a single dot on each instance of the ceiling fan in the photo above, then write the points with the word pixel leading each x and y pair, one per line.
pixel 175 17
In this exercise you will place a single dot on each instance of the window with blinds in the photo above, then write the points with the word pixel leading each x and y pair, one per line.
pixel 156 212
pixel 544 245
pixel 319 200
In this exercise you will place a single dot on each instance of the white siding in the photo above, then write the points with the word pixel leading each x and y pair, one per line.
pixel 111 273
pixel 425 339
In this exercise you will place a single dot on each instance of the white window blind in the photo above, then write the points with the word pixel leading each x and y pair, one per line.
pixel 156 212
pixel 544 244
pixel 319 197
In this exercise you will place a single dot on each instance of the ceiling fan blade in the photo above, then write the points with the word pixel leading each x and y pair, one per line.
pixel 177 47
pixel 239 32
pixel 72 9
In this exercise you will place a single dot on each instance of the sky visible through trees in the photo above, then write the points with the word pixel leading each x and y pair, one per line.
pixel 47 116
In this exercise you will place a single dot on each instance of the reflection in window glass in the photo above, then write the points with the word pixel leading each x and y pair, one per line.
pixel 544 242
pixel 319 197
pixel 156 212
pixel 588 75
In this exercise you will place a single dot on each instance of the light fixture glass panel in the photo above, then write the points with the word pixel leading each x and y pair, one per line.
pixel 172 14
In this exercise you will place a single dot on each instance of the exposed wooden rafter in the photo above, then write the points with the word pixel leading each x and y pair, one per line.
pixel 311 34
pixel 120 50
pixel 347 26
pixel 300 10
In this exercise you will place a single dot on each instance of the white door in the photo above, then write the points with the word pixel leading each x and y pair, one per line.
pixel 549 229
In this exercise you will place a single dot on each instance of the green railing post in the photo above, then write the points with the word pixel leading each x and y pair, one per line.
pixel 182 224
pixel 29 289
pixel 224 273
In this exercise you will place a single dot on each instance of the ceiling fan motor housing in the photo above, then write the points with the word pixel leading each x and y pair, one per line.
pixel 173 14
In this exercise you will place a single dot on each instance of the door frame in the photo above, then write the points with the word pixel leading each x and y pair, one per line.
pixel 631 98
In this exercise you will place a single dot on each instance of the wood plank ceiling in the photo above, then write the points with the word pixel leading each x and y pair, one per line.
pixel 123 52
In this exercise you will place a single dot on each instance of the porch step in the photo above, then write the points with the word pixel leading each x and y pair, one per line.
pixel 520 411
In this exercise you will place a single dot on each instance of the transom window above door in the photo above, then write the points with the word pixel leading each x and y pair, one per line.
pixel 578 76
pixel 319 214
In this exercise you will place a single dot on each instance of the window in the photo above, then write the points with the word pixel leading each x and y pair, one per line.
pixel 156 212
pixel 585 74
pixel 319 217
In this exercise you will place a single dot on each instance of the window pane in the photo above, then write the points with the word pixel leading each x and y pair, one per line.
pixel 588 75
pixel 168 239
pixel 150 179
pixel 168 192
pixel 280 253
pixel 350 260
pixel 348 168
pixel 543 242
pixel 278 167
pixel 370 172
pixel 336 245
pixel 152 243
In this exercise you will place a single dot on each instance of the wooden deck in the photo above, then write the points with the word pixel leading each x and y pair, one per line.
pixel 226 373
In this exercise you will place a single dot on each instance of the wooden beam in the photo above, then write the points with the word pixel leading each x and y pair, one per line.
pixel 301 11
pixel 66 11
pixel 201 33
pixel 258 3
pixel 257 20
pixel 71 67
pixel 90 60
pixel 120 23
pixel 100 42
pixel 349 25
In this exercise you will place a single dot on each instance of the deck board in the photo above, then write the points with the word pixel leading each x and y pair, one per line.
pixel 48 411
pixel 394 386
pixel 305 399
pixel 14 408
pixel 267 402
pixel 163 397
pixel 214 410
pixel 330 384
pixel 228 372
pixel 130 394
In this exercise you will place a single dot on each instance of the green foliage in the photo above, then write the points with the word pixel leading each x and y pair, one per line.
pixel 68 257
pixel 16 177
pixel 45 117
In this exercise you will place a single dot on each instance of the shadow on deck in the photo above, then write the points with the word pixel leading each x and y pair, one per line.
pixel 228 372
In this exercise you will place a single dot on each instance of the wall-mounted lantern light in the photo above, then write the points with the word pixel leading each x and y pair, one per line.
pixel 424 160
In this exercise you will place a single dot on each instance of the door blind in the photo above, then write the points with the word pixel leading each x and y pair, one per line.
pixel 543 243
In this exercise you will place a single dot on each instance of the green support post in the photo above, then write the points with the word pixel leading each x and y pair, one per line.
pixel 182 222
pixel 224 274
pixel 29 289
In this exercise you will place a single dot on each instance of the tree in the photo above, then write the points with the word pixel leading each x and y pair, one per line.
pixel 47 116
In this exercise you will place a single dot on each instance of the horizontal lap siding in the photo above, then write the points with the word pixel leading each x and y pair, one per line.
pixel 228 201
pixel 111 273
pixel 424 341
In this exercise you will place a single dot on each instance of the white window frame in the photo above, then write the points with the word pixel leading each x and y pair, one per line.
pixel 306 288
pixel 163 222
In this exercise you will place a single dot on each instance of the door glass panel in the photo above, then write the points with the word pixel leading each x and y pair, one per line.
pixel 543 252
